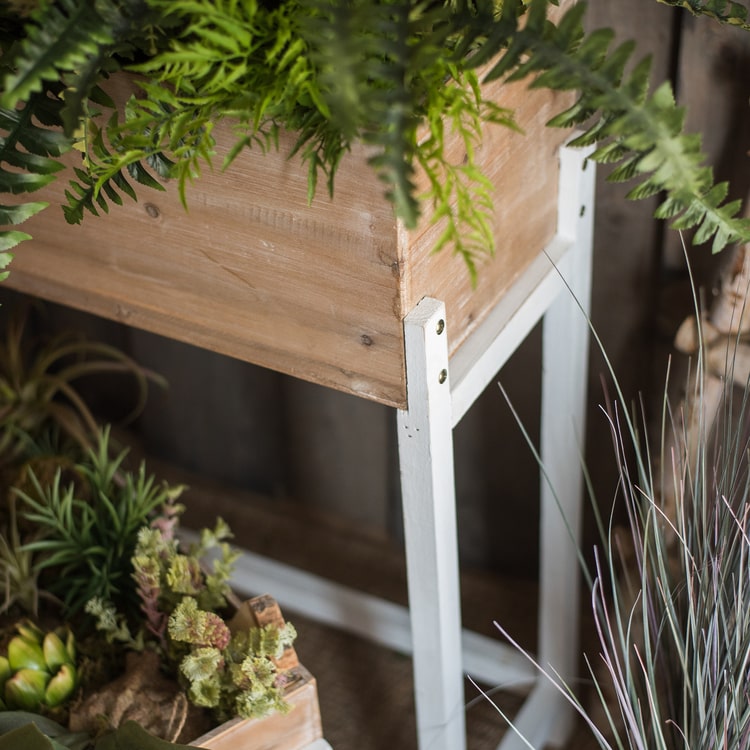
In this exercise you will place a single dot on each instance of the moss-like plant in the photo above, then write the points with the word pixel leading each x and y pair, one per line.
pixel 398 75
pixel 231 673
pixel 183 598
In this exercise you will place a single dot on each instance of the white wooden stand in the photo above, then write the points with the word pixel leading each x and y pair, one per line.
pixel 555 287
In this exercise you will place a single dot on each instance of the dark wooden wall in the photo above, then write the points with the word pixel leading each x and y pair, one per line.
pixel 335 456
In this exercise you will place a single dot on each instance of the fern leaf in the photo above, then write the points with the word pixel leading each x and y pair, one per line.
pixel 19 214
pixel 59 37
pixel 9 239
pixel 638 131
pixel 724 11
pixel 5 257
pixel 30 143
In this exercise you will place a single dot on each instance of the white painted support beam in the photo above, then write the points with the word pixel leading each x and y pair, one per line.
pixel 425 439
pixel 490 346
pixel 486 659
pixel 547 717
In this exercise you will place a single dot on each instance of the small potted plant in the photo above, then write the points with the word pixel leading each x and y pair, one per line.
pixel 108 618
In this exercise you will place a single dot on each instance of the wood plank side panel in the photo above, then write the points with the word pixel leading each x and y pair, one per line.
pixel 251 270
pixel 292 731
pixel 523 168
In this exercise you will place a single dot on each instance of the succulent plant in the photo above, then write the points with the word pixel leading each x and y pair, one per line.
pixel 232 673
pixel 39 669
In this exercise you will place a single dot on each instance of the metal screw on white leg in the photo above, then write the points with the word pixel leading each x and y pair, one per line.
pixel 425 439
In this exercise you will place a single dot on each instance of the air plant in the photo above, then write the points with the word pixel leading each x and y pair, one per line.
pixel 19 573
pixel 37 391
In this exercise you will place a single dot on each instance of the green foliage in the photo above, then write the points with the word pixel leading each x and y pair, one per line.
pixel 231 673
pixel 640 132
pixel 89 530
pixel 725 11
pixel 38 394
pixel 18 573
pixel 30 147
pixel 34 732
pixel 396 75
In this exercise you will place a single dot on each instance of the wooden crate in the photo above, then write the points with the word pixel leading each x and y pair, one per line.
pixel 291 731
pixel 316 291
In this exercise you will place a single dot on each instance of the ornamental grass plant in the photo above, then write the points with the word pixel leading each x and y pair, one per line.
pixel 670 589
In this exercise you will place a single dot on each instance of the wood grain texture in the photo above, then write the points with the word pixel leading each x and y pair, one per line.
pixel 292 731
pixel 315 291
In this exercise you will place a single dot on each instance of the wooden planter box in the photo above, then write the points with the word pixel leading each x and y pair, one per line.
pixel 291 731
pixel 316 291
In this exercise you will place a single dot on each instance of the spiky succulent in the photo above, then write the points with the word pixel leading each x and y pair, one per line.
pixel 88 530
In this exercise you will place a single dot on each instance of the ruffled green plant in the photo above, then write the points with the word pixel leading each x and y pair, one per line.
pixel 397 75
pixel 164 572
pixel 183 597
pixel 231 673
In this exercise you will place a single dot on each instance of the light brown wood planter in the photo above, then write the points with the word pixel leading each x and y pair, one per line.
pixel 315 291
pixel 294 730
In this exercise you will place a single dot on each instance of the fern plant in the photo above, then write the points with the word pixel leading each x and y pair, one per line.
pixel 398 75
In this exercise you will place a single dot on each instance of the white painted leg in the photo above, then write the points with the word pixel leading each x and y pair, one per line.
pixel 546 717
pixel 425 439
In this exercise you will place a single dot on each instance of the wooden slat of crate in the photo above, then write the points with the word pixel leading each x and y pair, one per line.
pixel 292 731
pixel 316 291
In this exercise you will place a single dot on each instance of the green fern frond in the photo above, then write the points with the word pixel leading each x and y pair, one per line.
pixel 640 131
pixel 30 144
pixel 725 11
pixel 101 177
pixel 75 42
pixel 59 38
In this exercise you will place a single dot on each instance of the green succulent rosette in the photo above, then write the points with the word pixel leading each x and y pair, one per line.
pixel 38 670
